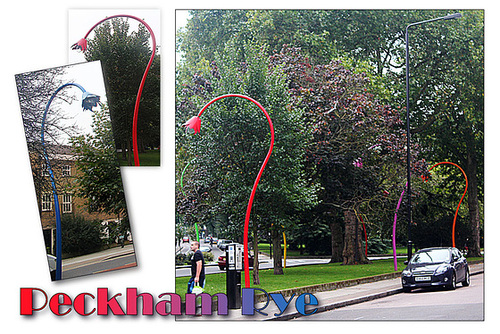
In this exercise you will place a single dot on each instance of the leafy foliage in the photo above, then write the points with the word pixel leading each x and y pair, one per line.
pixel 99 180
pixel 80 236
pixel 231 169
pixel 344 71
pixel 124 56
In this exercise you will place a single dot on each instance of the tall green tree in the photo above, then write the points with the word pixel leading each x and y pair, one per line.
pixel 235 139
pixel 124 56
pixel 357 147
pixel 99 179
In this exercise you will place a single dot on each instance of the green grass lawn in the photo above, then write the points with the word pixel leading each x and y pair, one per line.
pixel 148 158
pixel 297 276
pixel 264 248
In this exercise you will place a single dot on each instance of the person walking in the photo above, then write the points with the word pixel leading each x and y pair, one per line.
pixel 197 267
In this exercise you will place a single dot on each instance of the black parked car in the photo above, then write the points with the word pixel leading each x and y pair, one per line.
pixel 436 267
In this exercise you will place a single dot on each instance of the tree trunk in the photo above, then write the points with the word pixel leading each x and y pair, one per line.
pixel 475 221
pixel 353 246
pixel 255 272
pixel 129 151
pixel 124 150
pixel 278 268
pixel 337 237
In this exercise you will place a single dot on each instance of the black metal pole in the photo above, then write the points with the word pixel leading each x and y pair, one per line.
pixel 408 154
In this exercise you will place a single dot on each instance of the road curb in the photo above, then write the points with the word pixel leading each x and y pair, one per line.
pixel 345 303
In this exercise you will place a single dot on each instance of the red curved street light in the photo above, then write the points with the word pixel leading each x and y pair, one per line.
pixel 82 45
pixel 426 178
pixel 461 199
pixel 194 124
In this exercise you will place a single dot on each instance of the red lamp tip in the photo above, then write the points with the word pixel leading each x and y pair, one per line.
pixel 80 45
pixel 193 124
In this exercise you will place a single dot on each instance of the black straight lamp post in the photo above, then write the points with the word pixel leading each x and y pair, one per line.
pixel 408 155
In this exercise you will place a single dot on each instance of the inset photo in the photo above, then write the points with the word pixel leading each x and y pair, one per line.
pixel 127 42
pixel 75 170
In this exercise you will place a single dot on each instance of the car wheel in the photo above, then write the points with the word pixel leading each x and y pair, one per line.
pixel 222 268
pixel 453 283
pixel 466 281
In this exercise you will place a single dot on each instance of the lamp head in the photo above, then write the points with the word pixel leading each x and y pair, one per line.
pixel 80 45
pixel 193 125
pixel 452 16
pixel 89 101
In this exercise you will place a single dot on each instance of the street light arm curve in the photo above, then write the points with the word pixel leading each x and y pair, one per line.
pixel 194 124
pixel 447 17
pixel 82 45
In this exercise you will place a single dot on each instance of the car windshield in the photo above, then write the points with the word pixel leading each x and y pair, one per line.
pixel 431 256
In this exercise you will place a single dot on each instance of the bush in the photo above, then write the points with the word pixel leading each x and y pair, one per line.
pixel 80 236
pixel 183 259
pixel 180 259
pixel 378 246
pixel 209 257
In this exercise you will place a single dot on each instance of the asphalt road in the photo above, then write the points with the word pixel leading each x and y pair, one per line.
pixel 464 303
pixel 95 267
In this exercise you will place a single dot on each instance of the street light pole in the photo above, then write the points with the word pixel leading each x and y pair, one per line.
pixel 408 155
pixel 88 101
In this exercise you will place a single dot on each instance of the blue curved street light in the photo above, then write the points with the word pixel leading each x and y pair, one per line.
pixel 88 102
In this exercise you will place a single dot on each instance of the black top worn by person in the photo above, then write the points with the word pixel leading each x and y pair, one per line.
pixel 197 256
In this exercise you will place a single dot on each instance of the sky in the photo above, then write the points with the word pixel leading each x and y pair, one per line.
pixel 89 76
pixel 181 17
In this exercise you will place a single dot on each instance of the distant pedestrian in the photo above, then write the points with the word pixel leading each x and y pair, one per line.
pixel 197 267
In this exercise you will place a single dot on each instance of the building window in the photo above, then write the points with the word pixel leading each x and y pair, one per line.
pixel 67 205
pixel 66 170
pixel 47 202
pixel 45 170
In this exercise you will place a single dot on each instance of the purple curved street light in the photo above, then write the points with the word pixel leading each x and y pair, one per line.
pixel 194 125
pixel 82 45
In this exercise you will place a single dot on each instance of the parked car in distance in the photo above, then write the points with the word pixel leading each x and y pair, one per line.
pixel 221 261
pixel 222 244
pixel 185 238
pixel 439 266
pixel 214 240
pixel 52 266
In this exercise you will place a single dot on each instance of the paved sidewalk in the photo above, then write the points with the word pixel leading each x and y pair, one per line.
pixel 327 300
